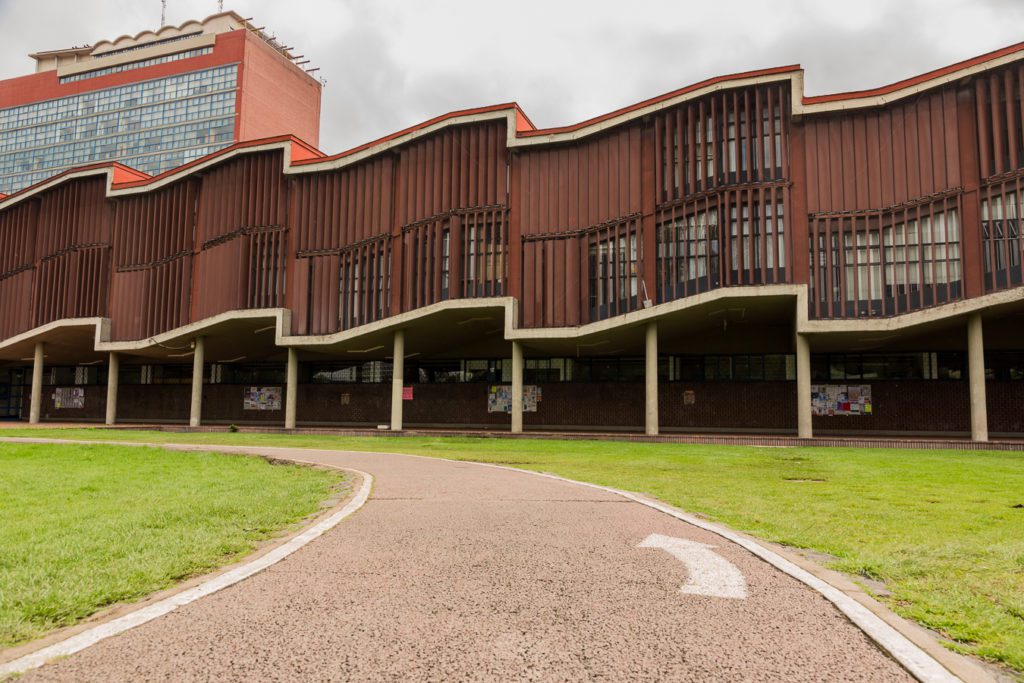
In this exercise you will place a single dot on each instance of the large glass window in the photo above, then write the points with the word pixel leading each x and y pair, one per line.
pixel 484 254
pixel 118 68
pixel 230 373
pixel 362 372
pixel 78 375
pixel 917 252
pixel 446 262
pixel 887 366
pixel 688 254
pixel 151 126
pixel 155 374
pixel 1003 241
pixel 739 368
pixel 613 282
pixel 1004 365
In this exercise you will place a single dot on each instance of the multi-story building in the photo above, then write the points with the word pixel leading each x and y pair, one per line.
pixel 731 256
pixel 153 101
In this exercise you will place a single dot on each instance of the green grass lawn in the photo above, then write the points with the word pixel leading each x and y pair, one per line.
pixel 83 527
pixel 939 527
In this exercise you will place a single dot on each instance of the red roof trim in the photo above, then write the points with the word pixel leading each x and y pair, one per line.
pixel 54 179
pixel 418 126
pixel 661 98
pixel 523 122
pixel 299 150
pixel 125 174
pixel 916 80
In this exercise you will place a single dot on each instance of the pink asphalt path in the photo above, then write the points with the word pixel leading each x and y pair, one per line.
pixel 454 571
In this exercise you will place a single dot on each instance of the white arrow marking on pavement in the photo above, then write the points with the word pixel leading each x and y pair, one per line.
pixel 710 573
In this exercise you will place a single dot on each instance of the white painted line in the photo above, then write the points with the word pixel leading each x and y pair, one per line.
pixel 94 635
pixel 710 573
pixel 919 663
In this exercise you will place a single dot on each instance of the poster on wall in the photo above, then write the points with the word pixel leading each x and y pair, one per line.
pixel 262 398
pixel 69 397
pixel 499 398
pixel 841 399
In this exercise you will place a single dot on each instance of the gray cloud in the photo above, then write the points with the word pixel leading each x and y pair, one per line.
pixel 392 63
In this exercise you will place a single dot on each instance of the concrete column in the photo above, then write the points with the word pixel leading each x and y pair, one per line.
pixel 291 391
pixel 517 388
pixel 195 417
pixel 397 381
pixel 805 428
pixel 113 369
pixel 36 400
pixel 651 380
pixel 976 376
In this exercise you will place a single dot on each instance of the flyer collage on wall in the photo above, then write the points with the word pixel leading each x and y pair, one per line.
pixel 841 399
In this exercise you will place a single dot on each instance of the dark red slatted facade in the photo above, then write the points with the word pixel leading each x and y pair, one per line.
pixel 152 280
pixel 999 98
pixel 880 211
pixel 451 205
pixel 72 252
pixel 936 177
pixel 17 259
pixel 723 195
pixel 241 231
pixel 573 197
pixel 885 198
pixel 343 240
pixel 879 158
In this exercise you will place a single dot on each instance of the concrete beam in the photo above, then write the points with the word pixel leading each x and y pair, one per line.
pixel 517 387
pixel 397 381
pixel 291 392
pixel 113 369
pixel 805 429
pixel 651 379
pixel 36 399
pixel 976 377
pixel 195 416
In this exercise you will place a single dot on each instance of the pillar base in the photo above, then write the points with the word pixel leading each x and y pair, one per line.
pixel 397 380
pixel 517 388
pixel 651 423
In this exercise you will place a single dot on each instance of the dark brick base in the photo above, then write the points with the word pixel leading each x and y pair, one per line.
pixel 898 407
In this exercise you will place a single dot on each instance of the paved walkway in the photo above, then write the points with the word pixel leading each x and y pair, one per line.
pixel 453 571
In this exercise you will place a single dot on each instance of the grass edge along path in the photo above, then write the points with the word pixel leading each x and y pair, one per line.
pixel 87 527
pixel 940 528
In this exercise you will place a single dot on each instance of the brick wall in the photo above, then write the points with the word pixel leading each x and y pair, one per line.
pixel 598 405
pixel 897 406
pixel 907 406
pixel 276 98
pixel 223 403
pixel 1005 407
pixel 366 404
pixel 153 402
pixel 728 405
pixel 452 404
pixel 95 404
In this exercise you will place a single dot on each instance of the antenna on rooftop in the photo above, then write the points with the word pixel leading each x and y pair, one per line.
pixel 163 13
pixel 220 6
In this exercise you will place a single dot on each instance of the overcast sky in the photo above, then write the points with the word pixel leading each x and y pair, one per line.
pixel 390 63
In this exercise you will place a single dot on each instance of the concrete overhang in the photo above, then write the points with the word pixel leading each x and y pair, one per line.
pixel 719 321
